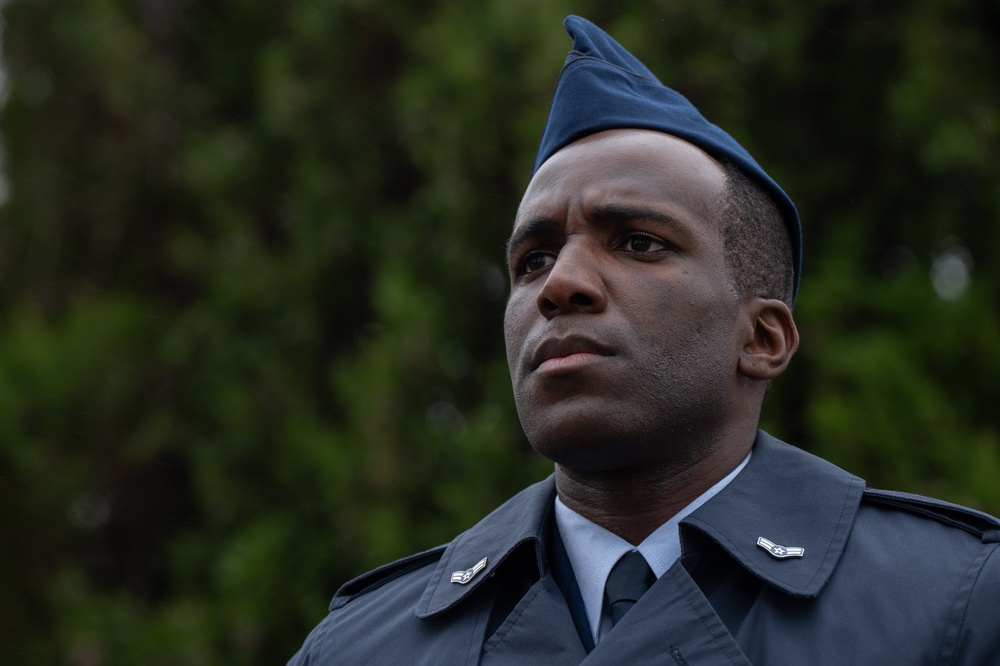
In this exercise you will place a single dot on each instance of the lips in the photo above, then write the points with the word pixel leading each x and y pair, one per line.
pixel 552 348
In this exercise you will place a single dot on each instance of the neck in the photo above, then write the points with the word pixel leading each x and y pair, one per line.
pixel 634 502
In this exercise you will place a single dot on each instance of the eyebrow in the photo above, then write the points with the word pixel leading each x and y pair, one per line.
pixel 605 213
pixel 540 227
pixel 624 212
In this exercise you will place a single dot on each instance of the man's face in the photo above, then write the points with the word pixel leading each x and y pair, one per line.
pixel 620 323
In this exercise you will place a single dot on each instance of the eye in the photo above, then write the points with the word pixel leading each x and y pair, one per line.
pixel 642 243
pixel 535 261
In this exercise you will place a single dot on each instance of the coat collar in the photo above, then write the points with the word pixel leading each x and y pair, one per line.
pixel 790 498
pixel 787 496
pixel 520 520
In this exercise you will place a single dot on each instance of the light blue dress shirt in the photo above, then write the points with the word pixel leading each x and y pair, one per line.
pixel 593 550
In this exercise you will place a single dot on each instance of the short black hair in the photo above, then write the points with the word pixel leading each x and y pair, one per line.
pixel 755 239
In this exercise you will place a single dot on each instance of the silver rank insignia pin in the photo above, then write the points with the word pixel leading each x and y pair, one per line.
pixel 780 552
pixel 463 577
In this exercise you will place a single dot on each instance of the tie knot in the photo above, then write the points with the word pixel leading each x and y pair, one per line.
pixel 629 579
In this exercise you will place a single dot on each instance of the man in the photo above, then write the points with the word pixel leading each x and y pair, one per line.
pixel 653 268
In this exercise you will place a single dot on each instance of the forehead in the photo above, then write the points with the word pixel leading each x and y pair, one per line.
pixel 624 166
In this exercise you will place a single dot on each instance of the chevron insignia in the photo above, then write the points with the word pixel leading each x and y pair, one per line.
pixel 463 577
pixel 780 552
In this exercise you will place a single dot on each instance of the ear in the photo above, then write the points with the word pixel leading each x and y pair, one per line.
pixel 770 341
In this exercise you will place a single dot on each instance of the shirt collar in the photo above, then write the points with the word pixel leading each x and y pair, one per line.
pixel 593 550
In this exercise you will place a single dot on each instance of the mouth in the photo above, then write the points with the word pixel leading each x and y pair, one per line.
pixel 567 352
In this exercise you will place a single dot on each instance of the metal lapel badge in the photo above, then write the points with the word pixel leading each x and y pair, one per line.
pixel 775 550
pixel 463 577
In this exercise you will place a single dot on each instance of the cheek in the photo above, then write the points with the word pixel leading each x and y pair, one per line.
pixel 684 327
pixel 513 329
pixel 508 341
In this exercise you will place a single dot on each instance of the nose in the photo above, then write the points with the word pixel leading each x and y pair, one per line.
pixel 573 283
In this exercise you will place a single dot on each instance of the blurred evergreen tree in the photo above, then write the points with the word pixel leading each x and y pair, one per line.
pixel 253 282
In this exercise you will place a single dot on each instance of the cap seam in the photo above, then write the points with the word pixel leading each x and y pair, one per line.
pixel 582 56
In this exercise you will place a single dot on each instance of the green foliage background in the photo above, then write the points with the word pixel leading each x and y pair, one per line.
pixel 252 284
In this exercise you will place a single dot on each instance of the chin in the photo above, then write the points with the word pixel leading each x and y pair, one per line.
pixel 596 447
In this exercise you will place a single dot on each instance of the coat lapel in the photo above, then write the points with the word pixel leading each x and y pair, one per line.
pixel 673 623
pixel 539 630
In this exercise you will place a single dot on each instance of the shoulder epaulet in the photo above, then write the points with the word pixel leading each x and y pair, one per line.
pixel 376 578
pixel 983 525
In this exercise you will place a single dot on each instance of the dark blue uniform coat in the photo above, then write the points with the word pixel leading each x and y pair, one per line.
pixel 884 578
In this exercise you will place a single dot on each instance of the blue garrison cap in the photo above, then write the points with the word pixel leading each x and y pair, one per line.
pixel 603 86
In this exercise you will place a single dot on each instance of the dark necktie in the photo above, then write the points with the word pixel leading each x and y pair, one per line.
pixel 629 579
